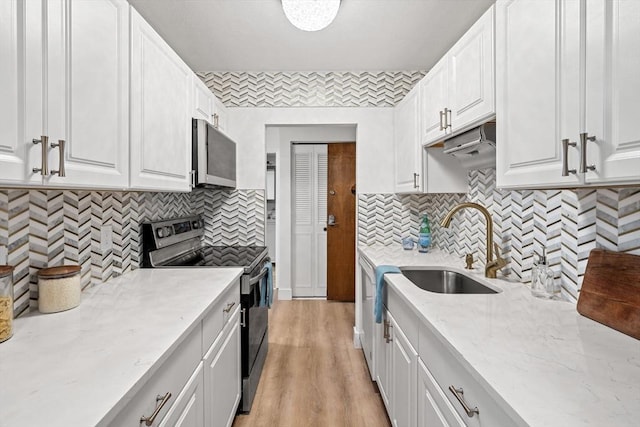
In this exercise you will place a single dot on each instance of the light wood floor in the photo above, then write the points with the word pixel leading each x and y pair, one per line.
pixel 313 375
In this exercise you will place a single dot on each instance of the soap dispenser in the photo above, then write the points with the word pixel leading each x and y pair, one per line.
pixel 543 279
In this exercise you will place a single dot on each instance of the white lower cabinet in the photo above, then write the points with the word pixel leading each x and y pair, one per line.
pixel 188 409
pixel 223 376
pixel 192 389
pixel 434 410
pixel 416 372
pixel 404 362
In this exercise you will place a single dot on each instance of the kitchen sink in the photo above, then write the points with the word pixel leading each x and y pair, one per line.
pixel 445 281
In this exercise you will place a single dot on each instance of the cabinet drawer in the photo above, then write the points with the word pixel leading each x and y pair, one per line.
pixel 403 315
pixel 447 372
pixel 170 378
pixel 219 315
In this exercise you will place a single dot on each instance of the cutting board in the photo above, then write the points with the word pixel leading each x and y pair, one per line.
pixel 610 291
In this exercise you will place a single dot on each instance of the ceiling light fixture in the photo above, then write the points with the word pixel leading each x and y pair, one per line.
pixel 311 15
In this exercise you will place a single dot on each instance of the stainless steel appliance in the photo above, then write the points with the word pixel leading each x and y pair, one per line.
pixel 475 148
pixel 178 243
pixel 213 156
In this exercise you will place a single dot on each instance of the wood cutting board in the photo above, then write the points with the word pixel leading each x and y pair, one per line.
pixel 610 291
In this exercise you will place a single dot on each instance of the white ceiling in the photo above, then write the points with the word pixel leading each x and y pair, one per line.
pixel 367 35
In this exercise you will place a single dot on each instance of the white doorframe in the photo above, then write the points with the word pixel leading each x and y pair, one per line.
pixel 309 214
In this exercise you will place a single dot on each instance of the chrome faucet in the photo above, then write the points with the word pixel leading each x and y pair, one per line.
pixel 492 266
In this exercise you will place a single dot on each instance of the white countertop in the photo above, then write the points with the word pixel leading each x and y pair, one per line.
pixel 549 364
pixel 80 367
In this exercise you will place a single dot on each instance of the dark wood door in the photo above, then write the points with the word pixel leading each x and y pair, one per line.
pixel 341 237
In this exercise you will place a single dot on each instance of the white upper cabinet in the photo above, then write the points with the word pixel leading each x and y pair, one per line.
pixel 567 95
pixel 203 100
pixel 408 161
pixel 220 120
pixel 471 86
pixel 613 92
pixel 87 103
pixel 13 156
pixel 65 77
pixel 459 91
pixel 433 88
pixel 161 110
pixel 538 91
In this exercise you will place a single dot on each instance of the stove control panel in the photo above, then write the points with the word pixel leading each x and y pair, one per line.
pixel 160 234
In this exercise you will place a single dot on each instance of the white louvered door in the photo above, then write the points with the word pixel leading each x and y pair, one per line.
pixel 309 219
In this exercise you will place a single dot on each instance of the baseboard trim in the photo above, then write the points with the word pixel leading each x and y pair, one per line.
pixel 284 294
pixel 356 338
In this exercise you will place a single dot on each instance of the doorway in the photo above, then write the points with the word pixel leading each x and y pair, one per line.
pixel 324 225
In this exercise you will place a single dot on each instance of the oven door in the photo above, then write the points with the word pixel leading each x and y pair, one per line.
pixel 255 319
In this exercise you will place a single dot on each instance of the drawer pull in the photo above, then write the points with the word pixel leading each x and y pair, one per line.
pixel 459 394
pixel 150 420
pixel 229 307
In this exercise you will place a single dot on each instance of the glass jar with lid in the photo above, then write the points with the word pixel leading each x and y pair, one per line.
pixel 6 302
pixel 58 288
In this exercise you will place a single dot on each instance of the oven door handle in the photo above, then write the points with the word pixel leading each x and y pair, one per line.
pixel 256 279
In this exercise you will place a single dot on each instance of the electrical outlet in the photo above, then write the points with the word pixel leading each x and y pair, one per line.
pixel 106 238
pixel 3 255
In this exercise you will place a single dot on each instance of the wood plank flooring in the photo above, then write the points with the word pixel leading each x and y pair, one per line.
pixel 313 375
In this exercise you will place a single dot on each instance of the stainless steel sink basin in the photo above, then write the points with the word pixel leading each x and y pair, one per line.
pixel 445 282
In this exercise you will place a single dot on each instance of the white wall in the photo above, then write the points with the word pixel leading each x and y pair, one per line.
pixel 374 137
pixel 278 140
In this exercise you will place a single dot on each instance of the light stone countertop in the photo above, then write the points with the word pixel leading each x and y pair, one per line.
pixel 549 364
pixel 80 367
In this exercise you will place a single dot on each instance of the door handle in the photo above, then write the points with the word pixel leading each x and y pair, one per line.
pixel 60 145
pixel 584 168
pixel 44 168
pixel 565 157
pixel 331 221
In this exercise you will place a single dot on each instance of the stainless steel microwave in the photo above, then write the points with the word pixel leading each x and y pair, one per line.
pixel 213 157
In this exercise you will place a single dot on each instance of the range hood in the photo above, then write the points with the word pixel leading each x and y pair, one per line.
pixel 475 148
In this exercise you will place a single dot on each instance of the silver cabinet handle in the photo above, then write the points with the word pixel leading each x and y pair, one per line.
pixel 243 319
pixel 44 168
pixel 584 137
pixel 442 120
pixel 447 118
pixel 415 180
pixel 163 401
pixel 387 333
pixel 229 307
pixel 565 157
pixel 60 145
pixel 216 120
pixel 192 174
pixel 459 394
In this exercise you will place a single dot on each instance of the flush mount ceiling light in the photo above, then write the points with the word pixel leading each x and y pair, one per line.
pixel 311 15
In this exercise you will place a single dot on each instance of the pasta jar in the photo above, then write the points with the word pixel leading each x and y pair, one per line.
pixel 58 288
pixel 6 302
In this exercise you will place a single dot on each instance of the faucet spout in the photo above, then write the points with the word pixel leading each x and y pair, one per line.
pixel 490 270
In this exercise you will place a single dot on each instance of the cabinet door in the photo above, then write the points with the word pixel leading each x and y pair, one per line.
pixel 404 379
pixel 538 91
pixel 160 112
pixel 87 95
pixel 433 98
pixel 383 360
pixel 21 89
pixel 203 100
pixel 13 165
pixel 188 409
pixel 408 161
pixel 613 90
pixel 367 295
pixel 222 375
pixel 471 75
pixel 434 410
pixel 220 115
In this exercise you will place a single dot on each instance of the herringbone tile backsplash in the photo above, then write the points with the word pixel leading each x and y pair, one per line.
pixel 569 223
pixel 47 228
pixel 311 89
